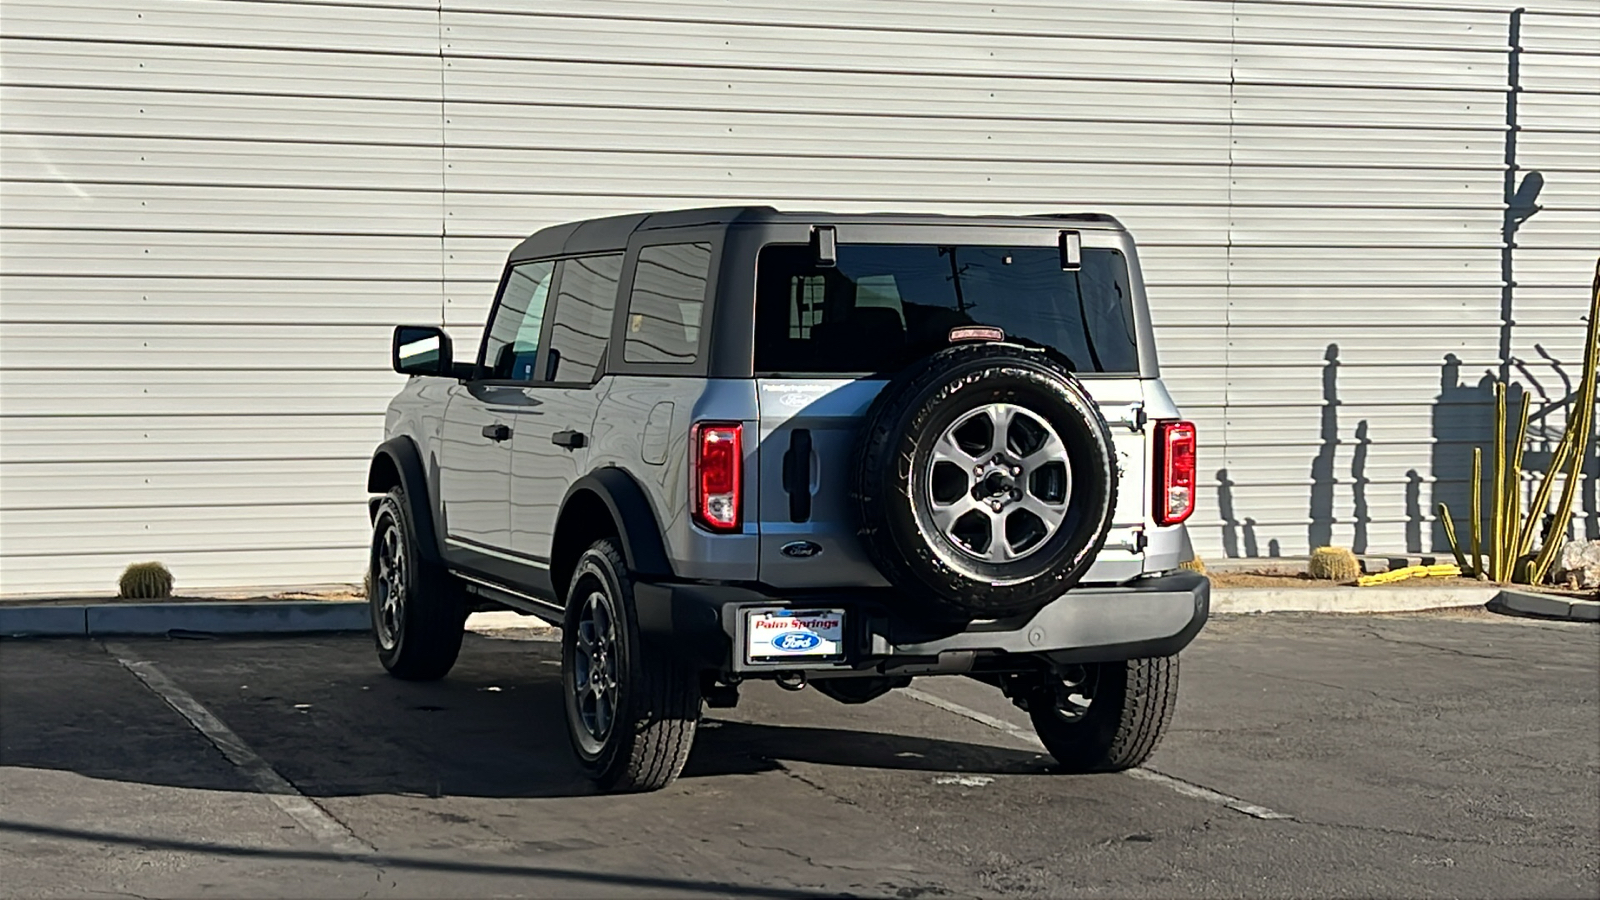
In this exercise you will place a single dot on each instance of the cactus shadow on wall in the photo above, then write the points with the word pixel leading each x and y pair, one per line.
pixel 1462 418
pixel 1230 523
pixel 1233 528
pixel 1323 482
pixel 1552 409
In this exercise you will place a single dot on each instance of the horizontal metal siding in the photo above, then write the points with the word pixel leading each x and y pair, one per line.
pixel 1353 383
pixel 211 212
pixel 1554 251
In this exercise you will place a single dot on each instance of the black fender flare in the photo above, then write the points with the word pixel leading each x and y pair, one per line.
pixel 401 455
pixel 632 514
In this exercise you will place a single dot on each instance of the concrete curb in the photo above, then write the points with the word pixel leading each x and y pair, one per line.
pixel 307 617
pixel 1346 599
pixel 264 617
pixel 1545 606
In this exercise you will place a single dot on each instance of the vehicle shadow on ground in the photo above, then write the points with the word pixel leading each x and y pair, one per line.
pixel 322 714
pixel 725 748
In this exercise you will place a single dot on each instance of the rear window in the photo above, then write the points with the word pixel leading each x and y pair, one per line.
pixel 886 305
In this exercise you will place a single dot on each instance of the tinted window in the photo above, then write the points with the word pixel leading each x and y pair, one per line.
pixel 584 301
pixel 669 291
pixel 886 305
pixel 513 340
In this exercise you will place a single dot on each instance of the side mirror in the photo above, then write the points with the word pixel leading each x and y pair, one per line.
pixel 422 350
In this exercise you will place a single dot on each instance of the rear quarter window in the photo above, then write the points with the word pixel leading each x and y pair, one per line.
pixel 668 297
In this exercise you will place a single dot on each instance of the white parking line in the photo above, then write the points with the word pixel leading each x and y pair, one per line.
pixel 1021 734
pixel 1190 789
pixel 1186 788
pixel 266 779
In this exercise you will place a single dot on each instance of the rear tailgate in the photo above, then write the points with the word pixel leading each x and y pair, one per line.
pixel 808 522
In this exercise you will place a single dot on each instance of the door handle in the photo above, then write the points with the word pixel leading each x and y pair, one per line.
pixel 497 432
pixel 571 440
pixel 797 474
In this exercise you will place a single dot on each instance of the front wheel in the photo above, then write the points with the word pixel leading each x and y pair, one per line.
pixel 632 707
pixel 419 612
pixel 1106 717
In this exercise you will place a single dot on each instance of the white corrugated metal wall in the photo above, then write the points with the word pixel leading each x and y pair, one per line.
pixel 214 209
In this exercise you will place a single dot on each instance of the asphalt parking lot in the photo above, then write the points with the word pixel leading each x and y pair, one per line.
pixel 1425 755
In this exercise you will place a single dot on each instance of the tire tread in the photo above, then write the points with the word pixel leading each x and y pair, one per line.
pixel 435 610
pixel 664 713
pixel 1125 722
pixel 1151 696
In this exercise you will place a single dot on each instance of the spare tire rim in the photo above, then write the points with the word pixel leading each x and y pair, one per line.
pixel 390 586
pixel 594 682
pixel 998 483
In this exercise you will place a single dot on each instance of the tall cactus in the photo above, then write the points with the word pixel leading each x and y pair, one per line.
pixel 1580 422
pixel 1505 555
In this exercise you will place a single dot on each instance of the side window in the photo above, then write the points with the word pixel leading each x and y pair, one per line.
pixel 582 322
pixel 669 292
pixel 513 340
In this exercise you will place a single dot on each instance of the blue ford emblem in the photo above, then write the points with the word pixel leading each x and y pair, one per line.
pixel 800 549
pixel 795 641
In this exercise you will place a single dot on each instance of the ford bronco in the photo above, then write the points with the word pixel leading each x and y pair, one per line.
pixel 844 451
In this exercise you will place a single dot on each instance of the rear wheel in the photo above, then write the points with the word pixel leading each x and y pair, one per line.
pixel 632 707
pixel 1105 717
pixel 419 611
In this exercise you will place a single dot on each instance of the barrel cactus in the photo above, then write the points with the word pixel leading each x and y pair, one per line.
pixel 145 581
pixel 1334 564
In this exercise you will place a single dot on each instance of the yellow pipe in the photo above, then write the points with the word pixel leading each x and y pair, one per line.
pixel 1393 575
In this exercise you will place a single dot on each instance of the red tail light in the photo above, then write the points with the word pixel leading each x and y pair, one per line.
pixel 717 474
pixel 1175 472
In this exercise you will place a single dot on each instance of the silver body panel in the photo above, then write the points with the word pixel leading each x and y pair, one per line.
pixel 641 424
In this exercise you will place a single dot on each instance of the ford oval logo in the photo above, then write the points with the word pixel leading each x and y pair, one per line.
pixel 800 549
pixel 796 641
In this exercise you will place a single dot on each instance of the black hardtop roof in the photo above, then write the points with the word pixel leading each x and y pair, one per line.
pixel 611 234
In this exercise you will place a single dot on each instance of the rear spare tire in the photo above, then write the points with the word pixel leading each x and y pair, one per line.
pixel 987 480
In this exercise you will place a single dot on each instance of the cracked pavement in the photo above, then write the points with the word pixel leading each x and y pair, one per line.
pixel 1421 755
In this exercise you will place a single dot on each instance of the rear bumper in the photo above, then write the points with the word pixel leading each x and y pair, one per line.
pixel 1147 618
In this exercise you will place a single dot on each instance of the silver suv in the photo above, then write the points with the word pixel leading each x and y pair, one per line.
pixel 717 445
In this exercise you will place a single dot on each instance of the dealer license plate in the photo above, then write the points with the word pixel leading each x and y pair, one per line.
pixel 777 635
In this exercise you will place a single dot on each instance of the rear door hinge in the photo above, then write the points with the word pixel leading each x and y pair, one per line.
pixel 1132 416
pixel 1135 542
